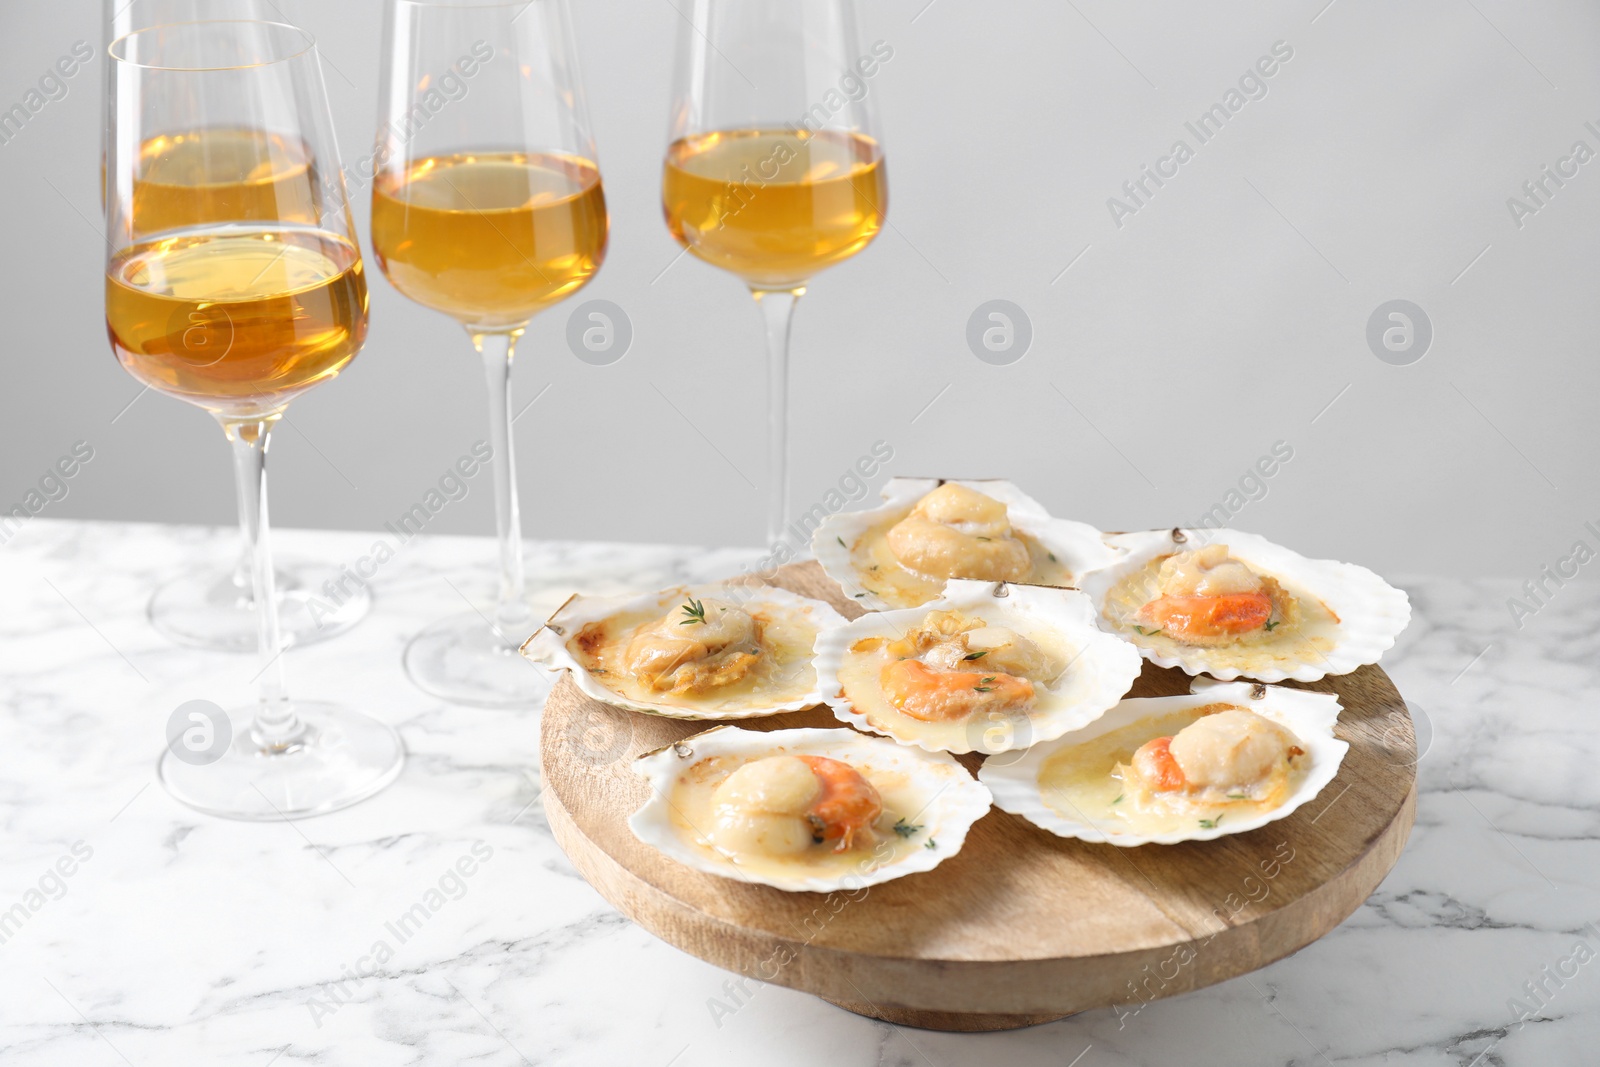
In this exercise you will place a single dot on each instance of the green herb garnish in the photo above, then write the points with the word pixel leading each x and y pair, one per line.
pixel 1238 796
pixel 1210 824
pixel 1119 798
pixel 976 655
pixel 982 538
pixel 983 685
pixel 1148 633
pixel 1272 624
pixel 696 612
pixel 905 829
pixel 931 844
pixel 1052 556
pixel 841 542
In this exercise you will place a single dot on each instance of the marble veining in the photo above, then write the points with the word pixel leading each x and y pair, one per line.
pixel 183 939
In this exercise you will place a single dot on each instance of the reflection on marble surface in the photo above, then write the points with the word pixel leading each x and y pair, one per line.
pixel 439 924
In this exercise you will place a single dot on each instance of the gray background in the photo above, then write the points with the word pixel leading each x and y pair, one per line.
pixel 1229 313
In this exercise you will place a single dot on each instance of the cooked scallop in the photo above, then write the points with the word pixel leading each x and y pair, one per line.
pixel 724 651
pixel 1234 605
pixel 900 554
pixel 988 667
pixel 1226 758
pixel 805 810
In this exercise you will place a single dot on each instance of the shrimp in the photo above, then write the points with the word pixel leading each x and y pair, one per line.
pixel 1156 767
pixel 1207 597
pixel 950 696
pixel 1190 618
pixel 846 804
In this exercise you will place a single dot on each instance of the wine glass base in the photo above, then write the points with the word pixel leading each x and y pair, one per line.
pixel 461 659
pixel 345 757
pixel 207 610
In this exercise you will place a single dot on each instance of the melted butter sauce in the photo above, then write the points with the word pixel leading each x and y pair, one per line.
pixel 861 673
pixel 693 814
pixel 1305 633
pixel 879 570
pixel 1081 783
pixel 783 673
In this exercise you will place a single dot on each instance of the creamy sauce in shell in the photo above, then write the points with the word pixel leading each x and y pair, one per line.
pixel 693 811
pixel 783 673
pixel 1082 783
pixel 861 679
pixel 880 571
pixel 1305 629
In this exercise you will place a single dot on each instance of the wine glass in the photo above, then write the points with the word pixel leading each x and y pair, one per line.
pixel 487 206
pixel 774 171
pixel 201 176
pixel 238 314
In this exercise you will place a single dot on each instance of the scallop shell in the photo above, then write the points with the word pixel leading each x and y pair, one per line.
pixel 1101 668
pixel 1077 546
pixel 1369 612
pixel 944 798
pixel 548 646
pixel 1311 716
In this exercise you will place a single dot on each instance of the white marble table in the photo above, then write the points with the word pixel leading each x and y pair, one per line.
pixel 183 939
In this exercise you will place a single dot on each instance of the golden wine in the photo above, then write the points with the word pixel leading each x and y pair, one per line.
pixel 237 320
pixel 490 239
pixel 222 175
pixel 774 206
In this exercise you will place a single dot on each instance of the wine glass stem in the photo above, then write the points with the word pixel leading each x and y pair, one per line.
pixel 276 727
pixel 777 310
pixel 511 612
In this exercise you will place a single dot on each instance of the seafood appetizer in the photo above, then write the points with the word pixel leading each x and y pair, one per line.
pixel 900 554
pixel 805 810
pixel 1226 758
pixel 704 652
pixel 1235 605
pixel 988 667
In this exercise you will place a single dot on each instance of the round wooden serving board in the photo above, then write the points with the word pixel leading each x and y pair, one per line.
pixel 1020 926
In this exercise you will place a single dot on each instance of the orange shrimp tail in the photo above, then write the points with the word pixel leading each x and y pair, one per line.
pixel 1155 764
pixel 847 805
pixel 944 696
pixel 1210 616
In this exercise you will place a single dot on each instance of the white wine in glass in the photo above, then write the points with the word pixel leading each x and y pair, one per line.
pixel 239 312
pixel 190 178
pixel 487 206
pixel 774 171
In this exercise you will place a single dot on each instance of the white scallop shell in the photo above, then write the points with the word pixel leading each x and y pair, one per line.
pixel 1371 612
pixel 1311 716
pixel 1101 669
pixel 548 646
pixel 1079 546
pixel 949 801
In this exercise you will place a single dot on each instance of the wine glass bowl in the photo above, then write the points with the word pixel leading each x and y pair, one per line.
pixel 772 172
pixel 487 206
pixel 490 238
pixel 236 305
pixel 774 207
pixel 188 177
